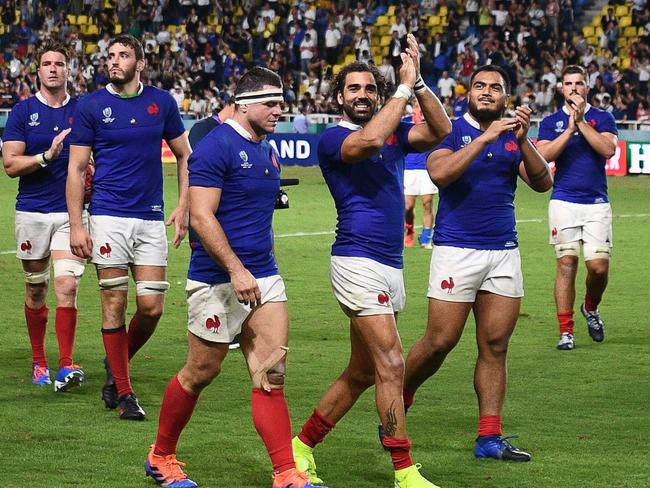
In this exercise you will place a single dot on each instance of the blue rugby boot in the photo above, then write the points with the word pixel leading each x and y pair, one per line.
pixel 495 447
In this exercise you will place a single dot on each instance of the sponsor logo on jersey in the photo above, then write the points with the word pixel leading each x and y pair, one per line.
pixel 511 146
pixel 448 285
pixel 107 112
pixel 153 109
pixel 34 120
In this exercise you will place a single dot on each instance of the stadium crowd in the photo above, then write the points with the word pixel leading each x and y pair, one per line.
pixel 198 49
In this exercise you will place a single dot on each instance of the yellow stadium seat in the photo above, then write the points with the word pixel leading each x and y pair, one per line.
pixel 385 41
pixel 17 21
pixel 599 31
pixel 604 9
pixel 182 28
pixel 588 30
pixel 92 30
pixel 622 10
pixel 349 58
pixel 72 19
pixel 437 30
pixel 219 28
pixel 624 21
pixel 642 31
pixel 2 29
pixel 336 69
pixel 592 41
pixel 391 10
pixel 434 20
pixel 625 63
pixel 622 42
pixel 376 49
pixel 377 60
pixel 82 20
pixel 630 31
pixel 90 47
pixel 83 29
pixel 118 28
pixel 384 51
pixel 596 20
pixel 384 30
pixel 382 20
pixel 443 11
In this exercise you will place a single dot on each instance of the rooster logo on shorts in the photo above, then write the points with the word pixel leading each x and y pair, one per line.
pixel 554 232
pixel 26 246
pixel 383 298
pixel 448 285
pixel 213 323
pixel 105 250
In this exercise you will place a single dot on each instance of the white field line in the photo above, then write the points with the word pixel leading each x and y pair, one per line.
pixel 330 232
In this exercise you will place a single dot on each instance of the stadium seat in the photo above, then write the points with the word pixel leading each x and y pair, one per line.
pixel 377 60
pixel 182 28
pixel 17 21
pixel 592 41
pixel 443 12
pixel 433 20
pixel 622 10
pixel 385 41
pixel 349 58
pixel 382 20
pixel 89 48
pixel 624 21
pixel 588 30
pixel 384 51
pixel 599 31
pixel 622 42
pixel 596 20
pixel 391 11
pixel 92 30
pixel 118 28
pixel 384 30
pixel 171 28
pixel 625 63
pixel 630 31
pixel 336 69
pixel 72 19
pixel 82 20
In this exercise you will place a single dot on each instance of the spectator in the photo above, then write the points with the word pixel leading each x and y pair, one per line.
pixel 446 85
pixel 388 72
pixel 301 122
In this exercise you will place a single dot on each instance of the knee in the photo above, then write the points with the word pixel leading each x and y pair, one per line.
pixel 276 376
pixel 495 347
pixel 151 311
pixel 567 265
pixel 196 377
pixel 66 288
pixel 36 293
pixel 598 270
pixel 391 367
pixel 439 344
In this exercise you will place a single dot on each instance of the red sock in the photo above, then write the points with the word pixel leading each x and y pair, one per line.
pixel 175 413
pixel 272 422
pixel 116 344
pixel 315 429
pixel 66 325
pixel 36 324
pixel 409 397
pixel 489 425
pixel 138 336
pixel 410 229
pixel 565 320
pixel 591 303
pixel 400 451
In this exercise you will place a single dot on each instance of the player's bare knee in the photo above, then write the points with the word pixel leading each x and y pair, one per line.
pixel 496 347
pixel 198 375
pixel 151 311
pixel 66 288
pixel 390 368
pixel 36 294
pixel 436 344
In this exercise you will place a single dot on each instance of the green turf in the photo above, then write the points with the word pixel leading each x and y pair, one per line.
pixel 583 414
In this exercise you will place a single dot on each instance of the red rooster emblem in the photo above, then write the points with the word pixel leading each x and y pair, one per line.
pixel 26 246
pixel 213 323
pixel 447 285
pixel 105 250
pixel 383 298
pixel 511 146
pixel 554 233
pixel 153 109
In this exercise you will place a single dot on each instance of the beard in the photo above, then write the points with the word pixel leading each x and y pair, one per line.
pixel 486 114
pixel 122 78
pixel 360 118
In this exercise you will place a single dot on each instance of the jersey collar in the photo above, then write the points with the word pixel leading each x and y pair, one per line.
pixel 587 108
pixel 239 129
pixel 471 121
pixel 349 125
pixel 41 99
pixel 112 91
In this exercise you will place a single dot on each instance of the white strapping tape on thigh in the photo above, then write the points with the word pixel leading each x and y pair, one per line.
pixel 596 251
pixel 120 283
pixel 144 287
pixel 38 277
pixel 68 267
pixel 567 249
pixel 259 370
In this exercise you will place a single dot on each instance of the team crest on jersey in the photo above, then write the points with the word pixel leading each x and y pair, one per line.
pixel 34 120
pixel 466 140
pixel 107 112
pixel 244 157
pixel 559 126
pixel 511 146
pixel 274 161
pixel 153 109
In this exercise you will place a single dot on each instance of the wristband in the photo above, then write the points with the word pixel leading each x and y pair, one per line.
pixel 420 85
pixel 42 160
pixel 403 91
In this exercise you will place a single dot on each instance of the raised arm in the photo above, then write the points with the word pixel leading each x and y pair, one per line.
pixel 534 169
pixel 364 143
pixel 180 146
pixel 603 143
pixel 17 163
pixel 204 203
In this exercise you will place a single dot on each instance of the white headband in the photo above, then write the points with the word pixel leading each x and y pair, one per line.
pixel 260 96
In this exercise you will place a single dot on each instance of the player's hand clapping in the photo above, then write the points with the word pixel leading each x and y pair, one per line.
pixel 522 116
pixel 245 286
pixel 407 73
pixel 413 50
pixel 498 127
pixel 577 106
pixel 57 145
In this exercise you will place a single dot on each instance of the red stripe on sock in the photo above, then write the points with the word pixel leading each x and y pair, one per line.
pixel 175 412
pixel 36 320
pixel 272 422
pixel 66 325
pixel 591 303
pixel 565 319
pixel 116 344
pixel 489 425
pixel 400 451
pixel 315 429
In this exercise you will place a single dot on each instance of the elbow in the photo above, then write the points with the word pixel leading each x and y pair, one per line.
pixel 610 152
pixel 445 130
pixel 11 171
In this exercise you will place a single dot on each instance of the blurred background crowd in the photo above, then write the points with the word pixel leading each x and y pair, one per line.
pixel 197 49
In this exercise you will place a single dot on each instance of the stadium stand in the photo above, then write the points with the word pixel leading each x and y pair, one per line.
pixel 201 47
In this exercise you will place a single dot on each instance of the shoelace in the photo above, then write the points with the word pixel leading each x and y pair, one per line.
pixel 40 371
pixel 504 440
pixel 593 319
pixel 73 366
pixel 293 476
pixel 174 466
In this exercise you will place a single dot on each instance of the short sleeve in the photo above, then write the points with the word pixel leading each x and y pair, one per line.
pixel 207 167
pixel 15 128
pixel 449 142
pixel 546 130
pixel 83 127
pixel 607 123
pixel 402 134
pixel 173 122
pixel 329 146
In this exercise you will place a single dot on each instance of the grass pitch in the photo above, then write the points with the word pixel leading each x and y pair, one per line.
pixel 583 414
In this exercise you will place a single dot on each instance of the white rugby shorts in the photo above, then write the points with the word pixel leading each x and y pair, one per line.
pixel 118 241
pixel 418 182
pixel 575 222
pixel 458 274
pixel 213 312
pixel 39 233
pixel 363 286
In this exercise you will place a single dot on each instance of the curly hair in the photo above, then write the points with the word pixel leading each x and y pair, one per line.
pixel 358 67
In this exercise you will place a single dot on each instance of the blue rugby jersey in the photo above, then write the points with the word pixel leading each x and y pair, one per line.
pixel 579 171
pixel 477 210
pixel 248 174
pixel 33 122
pixel 369 195
pixel 125 135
